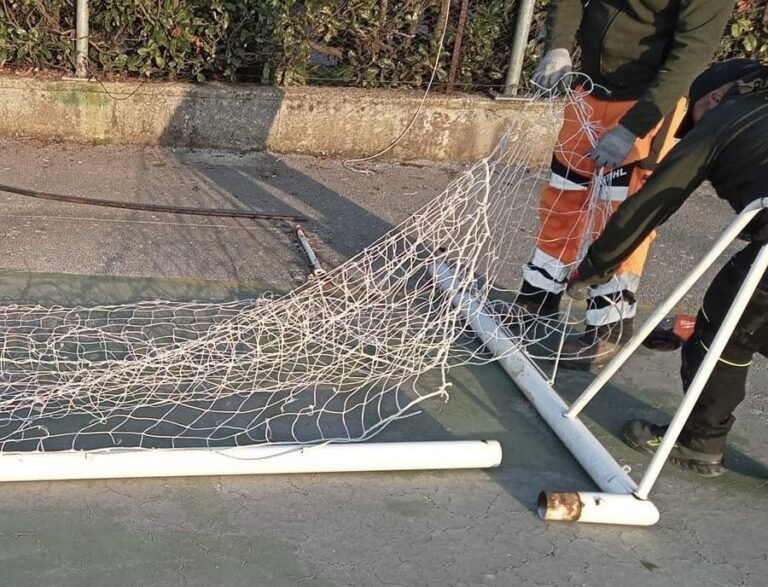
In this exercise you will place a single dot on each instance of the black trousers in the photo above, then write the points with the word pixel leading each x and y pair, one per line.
pixel 712 417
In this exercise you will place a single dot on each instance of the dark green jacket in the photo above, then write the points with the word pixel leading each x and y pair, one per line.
pixel 728 147
pixel 646 50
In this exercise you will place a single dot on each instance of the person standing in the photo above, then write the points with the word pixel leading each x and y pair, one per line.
pixel 725 141
pixel 641 56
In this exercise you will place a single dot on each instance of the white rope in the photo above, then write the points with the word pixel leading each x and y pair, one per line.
pixel 349 162
pixel 338 359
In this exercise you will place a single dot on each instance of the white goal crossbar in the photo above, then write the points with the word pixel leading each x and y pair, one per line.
pixel 249 460
pixel 621 500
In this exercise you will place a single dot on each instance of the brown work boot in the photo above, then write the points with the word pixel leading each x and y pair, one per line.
pixel 597 346
pixel 530 305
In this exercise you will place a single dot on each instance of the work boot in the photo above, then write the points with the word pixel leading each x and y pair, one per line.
pixel 548 308
pixel 538 303
pixel 646 437
pixel 521 317
pixel 597 346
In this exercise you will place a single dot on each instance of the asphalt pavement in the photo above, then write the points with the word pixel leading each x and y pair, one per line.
pixel 434 528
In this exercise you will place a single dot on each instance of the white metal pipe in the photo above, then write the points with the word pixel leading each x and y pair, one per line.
pixel 597 508
pixel 317 268
pixel 607 474
pixel 81 39
pixel 705 370
pixel 249 460
pixel 731 233
pixel 519 43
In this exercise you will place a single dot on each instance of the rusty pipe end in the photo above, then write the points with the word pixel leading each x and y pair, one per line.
pixel 597 508
pixel 559 506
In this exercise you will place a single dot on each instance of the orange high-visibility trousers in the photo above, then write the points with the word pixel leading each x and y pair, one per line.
pixel 577 201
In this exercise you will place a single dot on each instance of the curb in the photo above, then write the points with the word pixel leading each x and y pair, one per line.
pixel 333 122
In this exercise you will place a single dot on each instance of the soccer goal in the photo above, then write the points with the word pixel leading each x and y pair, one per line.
pixel 306 381
pixel 299 383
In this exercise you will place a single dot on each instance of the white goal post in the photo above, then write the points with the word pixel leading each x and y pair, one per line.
pixel 621 500
pixel 249 460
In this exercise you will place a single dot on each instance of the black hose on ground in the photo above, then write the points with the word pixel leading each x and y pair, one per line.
pixel 152 207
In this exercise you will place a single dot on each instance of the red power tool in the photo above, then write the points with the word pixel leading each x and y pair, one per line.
pixel 671 333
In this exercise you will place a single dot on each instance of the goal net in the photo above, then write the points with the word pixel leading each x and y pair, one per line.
pixel 336 360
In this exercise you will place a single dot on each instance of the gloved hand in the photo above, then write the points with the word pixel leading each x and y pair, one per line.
pixel 584 276
pixel 613 147
pixel 551 68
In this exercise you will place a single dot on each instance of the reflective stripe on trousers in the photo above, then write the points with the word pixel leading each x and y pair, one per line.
pixel 568 215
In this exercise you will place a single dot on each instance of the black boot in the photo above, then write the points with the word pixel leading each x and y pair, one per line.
pixel 646 437
pixel 597 346
pixel 537 302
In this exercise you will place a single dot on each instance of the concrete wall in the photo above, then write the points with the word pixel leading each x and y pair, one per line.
pixel 338 122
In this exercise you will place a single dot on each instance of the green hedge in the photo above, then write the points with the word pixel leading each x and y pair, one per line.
pixel 349 42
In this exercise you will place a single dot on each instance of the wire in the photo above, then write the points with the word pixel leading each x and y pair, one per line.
pixel 347 163
pixel 218 212
pixel 96 78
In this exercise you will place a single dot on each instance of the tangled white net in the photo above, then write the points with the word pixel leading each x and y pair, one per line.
pixel 335 360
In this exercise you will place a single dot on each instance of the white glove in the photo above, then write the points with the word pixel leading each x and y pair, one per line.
pixel 613 147
pixel 551 68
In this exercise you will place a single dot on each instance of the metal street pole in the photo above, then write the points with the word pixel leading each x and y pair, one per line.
pixel 81 40
pixel 520 42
